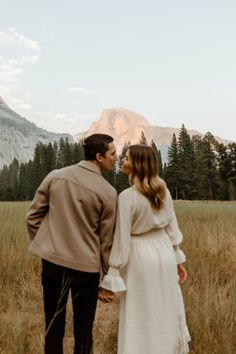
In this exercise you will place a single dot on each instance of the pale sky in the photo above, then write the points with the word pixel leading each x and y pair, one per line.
pixel 173 61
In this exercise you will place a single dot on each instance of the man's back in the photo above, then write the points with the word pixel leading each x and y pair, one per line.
pixel 79 222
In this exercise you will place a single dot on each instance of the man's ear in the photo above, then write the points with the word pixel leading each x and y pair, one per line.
pixel 99 157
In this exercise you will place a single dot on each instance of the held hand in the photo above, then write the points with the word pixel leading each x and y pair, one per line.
pixel 105 295
pixel 182 273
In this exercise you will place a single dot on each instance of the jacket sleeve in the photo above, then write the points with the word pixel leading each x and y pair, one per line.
pixel 38 208
pixel 173 231
pixel 121 246
pixel 107 225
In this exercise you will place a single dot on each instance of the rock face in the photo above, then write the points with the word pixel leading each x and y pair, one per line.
pixel 18 136
pixel 121 124
pixel 126 126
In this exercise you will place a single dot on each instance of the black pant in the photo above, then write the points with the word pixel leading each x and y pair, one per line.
pixel 57 281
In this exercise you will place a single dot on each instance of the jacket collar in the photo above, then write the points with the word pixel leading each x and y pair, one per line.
pixel 89 165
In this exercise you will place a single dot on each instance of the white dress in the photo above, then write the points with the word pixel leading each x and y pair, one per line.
pixel 143 268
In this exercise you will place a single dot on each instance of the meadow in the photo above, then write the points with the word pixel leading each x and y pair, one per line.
pixel 209 230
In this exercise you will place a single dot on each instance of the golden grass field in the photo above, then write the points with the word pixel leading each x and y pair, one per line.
pixel 209 230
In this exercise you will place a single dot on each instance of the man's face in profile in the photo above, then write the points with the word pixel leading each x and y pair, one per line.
pixel 107 162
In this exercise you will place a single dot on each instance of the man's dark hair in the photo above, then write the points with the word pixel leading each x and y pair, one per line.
pixel 96 143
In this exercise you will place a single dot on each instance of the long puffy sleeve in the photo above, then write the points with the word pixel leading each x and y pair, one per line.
pixel 107 223
pixel 121 244
pixel 174 232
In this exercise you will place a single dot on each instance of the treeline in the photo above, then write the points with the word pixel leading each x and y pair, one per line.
pixel 200 168
pixel 197 168
pixel 20 181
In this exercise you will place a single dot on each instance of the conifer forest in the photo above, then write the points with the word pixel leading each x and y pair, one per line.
pixel 197 168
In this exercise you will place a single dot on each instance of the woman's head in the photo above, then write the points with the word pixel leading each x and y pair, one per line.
pixel 143 161
pixel 141 165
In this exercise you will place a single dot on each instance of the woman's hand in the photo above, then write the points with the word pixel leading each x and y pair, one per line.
pixel 105 295
pixel 182 273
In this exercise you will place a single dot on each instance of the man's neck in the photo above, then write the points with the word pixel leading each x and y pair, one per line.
pixel 96 163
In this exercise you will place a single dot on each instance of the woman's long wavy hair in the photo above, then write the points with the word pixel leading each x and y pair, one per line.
pixel 144 174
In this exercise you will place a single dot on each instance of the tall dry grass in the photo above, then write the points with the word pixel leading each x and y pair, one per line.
pixel 209 230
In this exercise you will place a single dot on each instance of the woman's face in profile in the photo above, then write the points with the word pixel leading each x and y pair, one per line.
pixel 126 165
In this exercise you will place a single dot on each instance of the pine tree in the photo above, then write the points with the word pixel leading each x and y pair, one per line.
pixel 67 153
pixel 143 139
pixel 49 159
pixel 159 159
pixel 224 169
pixel 14 178
pixel 206 169
pixel 186 165
pixel 38 165
pixel 77 152
pixel 172 170
pixel 5 187
pixel 232 173
pixel 60 154
pixel 56 153
pixel 26 180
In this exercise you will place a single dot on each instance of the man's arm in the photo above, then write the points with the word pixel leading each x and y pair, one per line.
pixel 39 208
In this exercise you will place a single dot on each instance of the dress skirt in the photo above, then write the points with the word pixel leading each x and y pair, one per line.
pixel 152 317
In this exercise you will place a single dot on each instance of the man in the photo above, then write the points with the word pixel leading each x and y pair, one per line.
pixel 71 223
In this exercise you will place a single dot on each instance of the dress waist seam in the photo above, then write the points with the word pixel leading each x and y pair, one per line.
pixel 151 233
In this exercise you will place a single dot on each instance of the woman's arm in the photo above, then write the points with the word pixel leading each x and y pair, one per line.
pixel 121 245
pixel 173 231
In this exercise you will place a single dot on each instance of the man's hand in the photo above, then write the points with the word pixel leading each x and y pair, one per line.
pixel 105 295
pixel 182 273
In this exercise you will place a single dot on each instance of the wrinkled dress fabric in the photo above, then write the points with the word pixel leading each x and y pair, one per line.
pixel 152 319
pixel 152 315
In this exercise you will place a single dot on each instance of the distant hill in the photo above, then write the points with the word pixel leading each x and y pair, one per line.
pixel 124 125
pixel 18 136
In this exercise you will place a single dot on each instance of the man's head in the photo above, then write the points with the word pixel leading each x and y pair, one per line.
pixel 100 149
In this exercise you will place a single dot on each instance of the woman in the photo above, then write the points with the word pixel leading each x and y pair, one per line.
pixel 146 262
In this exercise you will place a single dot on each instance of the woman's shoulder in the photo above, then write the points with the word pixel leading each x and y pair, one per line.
pixel 130 195
pixel 161 182
pixel 126 192
pixel 167 193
